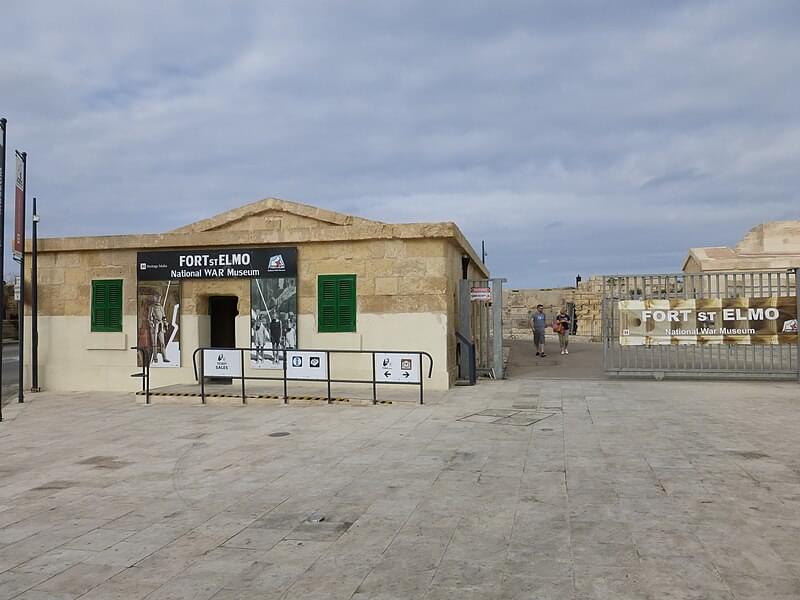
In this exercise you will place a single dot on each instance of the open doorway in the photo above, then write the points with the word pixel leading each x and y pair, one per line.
pixel 222 311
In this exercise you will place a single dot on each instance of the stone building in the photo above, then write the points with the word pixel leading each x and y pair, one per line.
pixel 769 246
pixel 305 276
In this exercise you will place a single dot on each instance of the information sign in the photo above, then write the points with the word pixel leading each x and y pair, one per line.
pixel 397 368
pixel 219 362
pixel 306 365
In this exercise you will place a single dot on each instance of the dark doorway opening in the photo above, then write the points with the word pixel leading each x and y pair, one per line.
pixel 222 311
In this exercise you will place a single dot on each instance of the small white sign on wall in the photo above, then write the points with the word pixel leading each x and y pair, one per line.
pixel 306 365
pixel 218 362
pixel 396 368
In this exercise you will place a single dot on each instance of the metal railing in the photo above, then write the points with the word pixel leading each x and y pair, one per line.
pixel 328 380
pixel 144 352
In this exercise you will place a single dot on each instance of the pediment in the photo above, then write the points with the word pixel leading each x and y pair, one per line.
pixel 273 214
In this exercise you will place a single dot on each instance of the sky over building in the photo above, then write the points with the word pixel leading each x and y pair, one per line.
pixel 574 137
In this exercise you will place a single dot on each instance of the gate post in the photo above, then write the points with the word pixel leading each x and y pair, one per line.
pixel 497 316
pixel 797 315
pixel 464 326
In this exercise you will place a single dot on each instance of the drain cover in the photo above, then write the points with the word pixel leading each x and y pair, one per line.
pixel 279 434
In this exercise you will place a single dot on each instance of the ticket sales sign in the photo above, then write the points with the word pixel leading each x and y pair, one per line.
pixel 215 263
pixel 398 368
pixel 218 362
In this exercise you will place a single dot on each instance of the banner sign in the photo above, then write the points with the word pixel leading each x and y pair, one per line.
pixel 236 263
pixel 222 363
pixel 158 323
pixel 771 320
pixel 307 365
pixel 480 294
pixel 19 217
pixel 397 368
pixel 273 321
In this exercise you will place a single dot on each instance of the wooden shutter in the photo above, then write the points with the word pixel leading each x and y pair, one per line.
pixel 107 305
pixel 346 296
pixel 115 305
pixel 326 301
pixel 337 300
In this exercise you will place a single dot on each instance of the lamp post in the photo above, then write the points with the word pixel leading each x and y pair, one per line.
pixel 35 304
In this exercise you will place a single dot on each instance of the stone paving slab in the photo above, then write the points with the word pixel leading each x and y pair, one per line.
pixel 626 490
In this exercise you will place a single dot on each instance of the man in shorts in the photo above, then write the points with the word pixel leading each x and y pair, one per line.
pixel 538 324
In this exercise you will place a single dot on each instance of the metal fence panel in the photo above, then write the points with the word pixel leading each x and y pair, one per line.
pixel 698 360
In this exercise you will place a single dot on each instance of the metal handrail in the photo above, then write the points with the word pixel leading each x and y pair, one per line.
pixel 328 379
pixel 145 374
pixel 472 358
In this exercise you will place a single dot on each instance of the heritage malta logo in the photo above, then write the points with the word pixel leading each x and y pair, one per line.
pixel 276 263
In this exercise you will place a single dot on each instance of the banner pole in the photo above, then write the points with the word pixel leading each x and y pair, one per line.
pixel 35 304
pixel 20 245
pixel 2 248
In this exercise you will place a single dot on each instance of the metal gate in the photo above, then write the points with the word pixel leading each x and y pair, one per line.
pixel 480 327
pixel 755 347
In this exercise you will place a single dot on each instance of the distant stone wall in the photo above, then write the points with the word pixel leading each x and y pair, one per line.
pixel 588 308
pixel 518 305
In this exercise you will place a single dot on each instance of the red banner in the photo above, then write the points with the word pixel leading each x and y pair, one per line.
pixel 19 220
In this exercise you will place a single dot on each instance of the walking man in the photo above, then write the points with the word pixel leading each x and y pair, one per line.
pixel 538 323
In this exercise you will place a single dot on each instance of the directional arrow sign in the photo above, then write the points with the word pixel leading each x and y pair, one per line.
pixel 398 367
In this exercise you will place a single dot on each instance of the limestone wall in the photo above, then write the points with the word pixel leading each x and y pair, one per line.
pixel 405 302
pixel 588 308
pixel 519 304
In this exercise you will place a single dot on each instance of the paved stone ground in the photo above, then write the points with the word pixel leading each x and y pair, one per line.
pixel 585 360
pixel 620 490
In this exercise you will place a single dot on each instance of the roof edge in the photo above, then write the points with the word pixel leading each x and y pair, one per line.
pixel 191 239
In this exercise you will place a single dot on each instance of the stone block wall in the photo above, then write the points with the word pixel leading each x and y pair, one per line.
pixel 519 304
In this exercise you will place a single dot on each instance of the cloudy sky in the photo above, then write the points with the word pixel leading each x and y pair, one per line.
pixel 574 137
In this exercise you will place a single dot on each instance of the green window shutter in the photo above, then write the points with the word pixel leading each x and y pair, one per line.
pixel 336 301
pixel 346 309
pixel 115 305
pixel 326 298
pixel 107 305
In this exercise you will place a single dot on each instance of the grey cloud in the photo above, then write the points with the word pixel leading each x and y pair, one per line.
pixel 643 127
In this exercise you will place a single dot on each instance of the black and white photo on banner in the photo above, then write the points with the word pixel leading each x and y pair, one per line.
pixel 273 320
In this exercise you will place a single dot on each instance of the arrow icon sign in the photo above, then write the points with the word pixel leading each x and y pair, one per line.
pixel 406 374
pixel 387 374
